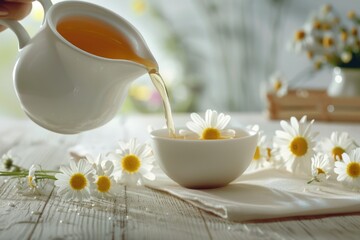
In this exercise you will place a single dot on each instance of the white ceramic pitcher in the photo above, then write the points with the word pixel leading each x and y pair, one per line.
pixel 63 88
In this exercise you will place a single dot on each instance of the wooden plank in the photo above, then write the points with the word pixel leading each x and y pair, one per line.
pixel 342 227
pixel 18 214
pixel 157 215
pixel 315 104
pixel 23 213
pixel 84 220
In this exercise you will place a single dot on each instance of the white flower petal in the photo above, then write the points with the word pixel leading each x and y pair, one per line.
pixel 214 118
pixel 184 132
pixel 208 116
pixel 294 124
pixel 287 128
pixel 222 123
pixel 345 158
pixel 227 133
pixel 197 119
pixel 194 127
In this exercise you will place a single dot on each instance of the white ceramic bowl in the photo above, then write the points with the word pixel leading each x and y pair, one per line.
pixel 204 163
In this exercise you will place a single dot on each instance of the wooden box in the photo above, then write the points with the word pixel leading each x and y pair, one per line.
pixel 316 104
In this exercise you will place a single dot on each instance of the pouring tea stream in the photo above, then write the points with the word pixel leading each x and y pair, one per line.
pixel 74 74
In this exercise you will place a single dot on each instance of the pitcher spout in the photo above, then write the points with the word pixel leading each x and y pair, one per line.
pixel 140 49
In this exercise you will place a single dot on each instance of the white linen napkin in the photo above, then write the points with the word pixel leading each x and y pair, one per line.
pixel 266 194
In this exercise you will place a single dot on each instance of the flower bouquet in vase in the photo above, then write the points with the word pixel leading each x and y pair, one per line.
pixel 327 41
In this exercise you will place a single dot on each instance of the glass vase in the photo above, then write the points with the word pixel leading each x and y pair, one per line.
pixel 345 82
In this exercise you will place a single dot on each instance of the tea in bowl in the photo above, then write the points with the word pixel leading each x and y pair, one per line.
pixel 201 164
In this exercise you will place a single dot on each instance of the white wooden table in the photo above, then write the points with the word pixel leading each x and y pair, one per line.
pixel 139 212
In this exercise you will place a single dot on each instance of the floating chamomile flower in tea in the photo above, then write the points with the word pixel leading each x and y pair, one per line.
pixel 211 128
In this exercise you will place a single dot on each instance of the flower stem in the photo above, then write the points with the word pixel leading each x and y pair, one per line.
pixel 313 179
pixel 21 174
pixel 43 174
pixel 46 177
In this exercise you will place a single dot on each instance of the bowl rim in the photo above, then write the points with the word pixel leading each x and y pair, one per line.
pixel 251 133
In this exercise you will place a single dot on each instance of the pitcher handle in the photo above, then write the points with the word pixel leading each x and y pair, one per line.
pixel 20 32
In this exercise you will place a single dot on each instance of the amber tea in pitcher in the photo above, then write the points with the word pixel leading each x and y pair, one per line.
pixel 102 39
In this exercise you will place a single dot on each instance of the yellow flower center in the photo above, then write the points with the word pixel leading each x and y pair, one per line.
pixel 354 31
pixel 353 169
pixel 211 133
pixel 277 85
pixel 329 57
pixel 299 146
pixel 337 153
pixel 351 14
pixel 78 181
pixel 327 8
pixel 310 54
pixel 328 42
pixel 320 171
pixel 268 150
pixel 130 163
pixel 299 35
pixel 317 65
pixel 317 25
pixel 326 26
pixel 103 184
pixel 344 36
pixel 257 153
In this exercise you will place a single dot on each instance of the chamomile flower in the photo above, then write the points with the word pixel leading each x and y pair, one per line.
pixel 31 180
pixel 278 84
pixel 7 163
pixel 75 180
pixel 321 167
pixel 313 27
pixel 270 156
pixel 299 42
pixel 132 162
pixel 346 56
pixel 104 185
pixel 210 128
pixel 260 156
pixel 348 170
pixel 330 44
pixel 139 6
pixel 294 145
pixel 328 17
pixel 336 145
